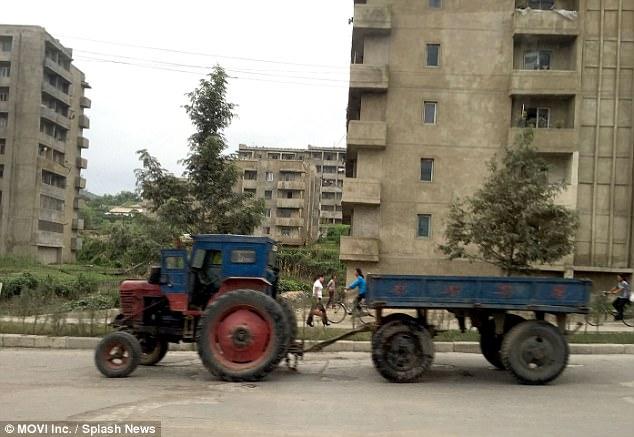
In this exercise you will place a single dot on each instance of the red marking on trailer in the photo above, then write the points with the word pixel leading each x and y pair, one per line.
pixel 505 290
pixel 559 291
pixel 399 289
pixel 453 290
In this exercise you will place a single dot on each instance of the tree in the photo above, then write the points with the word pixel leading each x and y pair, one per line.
pixel 512 221
pixel 203 200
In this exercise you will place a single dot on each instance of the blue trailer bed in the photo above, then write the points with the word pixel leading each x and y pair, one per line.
pixel 551 295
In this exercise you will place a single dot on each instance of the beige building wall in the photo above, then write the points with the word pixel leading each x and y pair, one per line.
pixel 486 86
pixel 290 190
pixel 330 165
pixel 42 101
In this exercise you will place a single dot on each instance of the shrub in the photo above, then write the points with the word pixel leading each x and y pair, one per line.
pixel 287 284
pixel 16 285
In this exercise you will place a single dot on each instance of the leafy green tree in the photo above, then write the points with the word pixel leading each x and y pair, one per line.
pixel 512 221
pixel 203 200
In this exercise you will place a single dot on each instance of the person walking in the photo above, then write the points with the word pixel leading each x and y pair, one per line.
pixel 318 287
pixel 359 283
pixel 623 291
pixel 332 288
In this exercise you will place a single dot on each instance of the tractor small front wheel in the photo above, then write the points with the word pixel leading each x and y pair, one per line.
pixel 118 354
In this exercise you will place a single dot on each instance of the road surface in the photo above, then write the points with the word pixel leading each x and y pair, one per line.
pixel 332 394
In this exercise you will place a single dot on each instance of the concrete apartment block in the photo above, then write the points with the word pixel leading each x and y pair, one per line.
pixel 42 121
pixel 437 87
pixel 290 190
pixel 330 165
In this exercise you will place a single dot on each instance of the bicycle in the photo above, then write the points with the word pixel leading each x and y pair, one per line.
pixel 340 309
pixel 601 310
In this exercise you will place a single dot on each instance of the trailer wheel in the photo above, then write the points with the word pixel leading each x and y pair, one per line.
pixel 535 352
pixel 118 354
pixel 153 350
pixel 243 336
pixel 289 312
pixel 491 343
pixel 402 352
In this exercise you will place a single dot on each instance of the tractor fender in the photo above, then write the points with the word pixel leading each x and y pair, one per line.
pixel 242 283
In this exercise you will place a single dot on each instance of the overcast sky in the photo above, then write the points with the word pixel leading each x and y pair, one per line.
pixel 289 60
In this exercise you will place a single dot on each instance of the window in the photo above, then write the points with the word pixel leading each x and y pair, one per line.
pixel 331 169
pixel 53 179
pixel 429 112
pixel 4 94
pixel 274 156
pixel 47 226
pixel 537 60
pixel 424 225
pixel 288 156
pixel 175 263
pixel 435 4
pixel 541 4
pixel 433 55
pixel 5 69
pixel 250 191
pixel 1 170
pixel 5 44
pixel 535 117
pixel 4 117
pixel 267 212
pixel 426 169
pixel 250 175
pixel 3 145
pixel 267 230
pixel 269 176
pixel 285 231
pixel 268 194
pixel 242 256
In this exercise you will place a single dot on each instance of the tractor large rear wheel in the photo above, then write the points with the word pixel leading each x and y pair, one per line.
pixel 243 336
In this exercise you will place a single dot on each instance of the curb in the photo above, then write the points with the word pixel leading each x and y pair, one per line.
pixel 469 347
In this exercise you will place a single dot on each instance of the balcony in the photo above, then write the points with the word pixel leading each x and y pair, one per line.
pixel 545 22
pixel 78 224
pixel 367 134
pixel 249 184
pixel 543 82
pixel 5 56
pixel 76 244
pixel 331 215
pixel 290 241
pixel 291 185
pixel 85 102
pixel 4 106
pixel 361 191
pixel 84 122
pixel 78 203
pixel 53 191
pixel 81 163
pixel 55 117
pixel 359 249
pixel 369 78
pixel 58 69
pixel 294 222
pixel 50 239
pixel 56 93
pixel 372 19
pixel 83 142
pixel 289 203
pixel 550 140
pixel 80 183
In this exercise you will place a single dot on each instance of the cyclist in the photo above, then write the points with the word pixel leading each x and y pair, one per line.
pixel 359 283
pixel 623 290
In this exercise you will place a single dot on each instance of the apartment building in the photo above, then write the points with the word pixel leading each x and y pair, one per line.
pixel 290 190
pixel 437 87
pixel 330 165
pixel 42 125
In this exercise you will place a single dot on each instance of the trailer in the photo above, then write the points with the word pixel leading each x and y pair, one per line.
pixel 510 314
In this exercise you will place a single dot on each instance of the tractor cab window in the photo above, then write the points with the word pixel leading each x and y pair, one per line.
pixel 243 256
pixel 207 269
pixel 175 263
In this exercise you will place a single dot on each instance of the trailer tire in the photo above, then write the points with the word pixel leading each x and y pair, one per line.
pixel 290 317
pixel 243 336
pixel 402 352
pixel 153 350
pixel 491 343
pixel 535 352
pixel 118 354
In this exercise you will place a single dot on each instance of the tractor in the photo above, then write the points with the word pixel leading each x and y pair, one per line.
pixel 221 294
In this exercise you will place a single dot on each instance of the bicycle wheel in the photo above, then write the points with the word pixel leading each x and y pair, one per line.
pixel 337 314
pixel 628 315
pixel 365 316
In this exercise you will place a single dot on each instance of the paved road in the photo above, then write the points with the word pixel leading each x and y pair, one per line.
pixel 333 394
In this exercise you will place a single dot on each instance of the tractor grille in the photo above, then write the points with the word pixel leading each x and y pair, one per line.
pixel 127 302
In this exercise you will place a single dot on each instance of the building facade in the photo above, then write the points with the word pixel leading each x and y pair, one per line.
pixel 290 190
pixel 42 125
pixel 330 165
pixel 437 87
